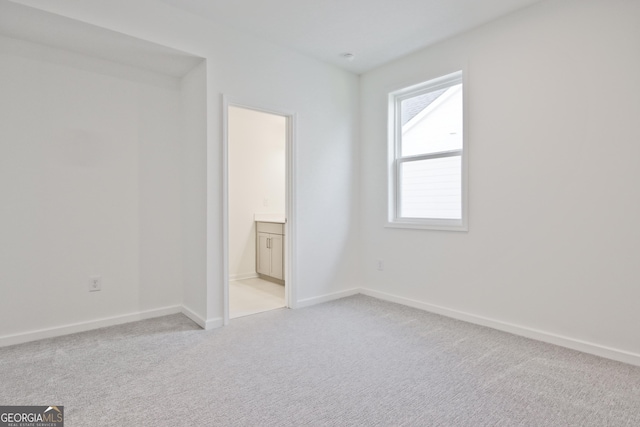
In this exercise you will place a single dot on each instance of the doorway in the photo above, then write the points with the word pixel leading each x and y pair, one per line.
pixel 258 210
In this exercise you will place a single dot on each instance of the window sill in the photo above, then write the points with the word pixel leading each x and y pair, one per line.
pixel 423 225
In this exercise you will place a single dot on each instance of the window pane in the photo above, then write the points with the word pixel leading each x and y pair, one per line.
pixel 431 188
pixel 432 122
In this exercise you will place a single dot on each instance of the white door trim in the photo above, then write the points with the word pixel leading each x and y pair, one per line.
pixel 290 205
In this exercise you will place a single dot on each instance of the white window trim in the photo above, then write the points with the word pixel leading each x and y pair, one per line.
pixel 393 221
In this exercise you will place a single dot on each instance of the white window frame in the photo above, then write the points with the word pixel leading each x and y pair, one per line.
pixel 395 159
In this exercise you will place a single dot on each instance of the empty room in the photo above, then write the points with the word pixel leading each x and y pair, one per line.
pixel 452 240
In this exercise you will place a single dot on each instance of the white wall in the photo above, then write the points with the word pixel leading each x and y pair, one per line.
pixel 193 202
pixel 254 72
pixel 554 99
pixel 257 143
pixel 90 185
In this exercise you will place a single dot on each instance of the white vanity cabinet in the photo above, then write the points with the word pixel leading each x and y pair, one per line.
pixel 270 250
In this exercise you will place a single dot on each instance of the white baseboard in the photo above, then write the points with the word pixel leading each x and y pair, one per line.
pixel 325 298
pixel 205 324
pixel 217 322
pixel 548 337
pixel 572 343
pixel 243 276
pixel 105 322
pixel 86 326
pixel 197 319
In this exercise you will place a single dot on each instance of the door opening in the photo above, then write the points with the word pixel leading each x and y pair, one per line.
pixel 258 210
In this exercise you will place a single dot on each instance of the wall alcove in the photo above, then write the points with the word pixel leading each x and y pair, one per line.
pixel 103 144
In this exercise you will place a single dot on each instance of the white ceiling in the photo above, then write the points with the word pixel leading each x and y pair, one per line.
pixel 375 31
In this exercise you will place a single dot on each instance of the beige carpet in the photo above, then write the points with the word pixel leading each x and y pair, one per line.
pixel 356 361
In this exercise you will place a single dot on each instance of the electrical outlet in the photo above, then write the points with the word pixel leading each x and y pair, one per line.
pixel 380 265
pixel 95 283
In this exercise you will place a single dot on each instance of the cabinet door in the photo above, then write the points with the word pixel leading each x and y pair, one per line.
pixel 263 261
pixel 277 256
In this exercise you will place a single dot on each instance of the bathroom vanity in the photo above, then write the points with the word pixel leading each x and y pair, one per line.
pixel 270 250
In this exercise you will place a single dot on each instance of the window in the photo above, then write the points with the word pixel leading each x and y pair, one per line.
pixel 427 155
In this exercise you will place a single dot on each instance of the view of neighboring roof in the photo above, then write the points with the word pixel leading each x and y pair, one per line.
pixel 412 106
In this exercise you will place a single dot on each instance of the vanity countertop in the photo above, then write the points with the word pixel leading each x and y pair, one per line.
pixel 278 218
